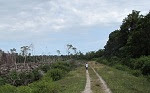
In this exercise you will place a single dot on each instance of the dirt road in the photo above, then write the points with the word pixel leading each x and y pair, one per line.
pixel 101 81
pixel 88 84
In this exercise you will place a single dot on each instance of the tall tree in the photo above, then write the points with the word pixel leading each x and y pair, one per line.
pixel 58 52
pixel 24 51
pixel 118 40
pixel 69 46
pixel 139 42
pixel 13 53
pixel 74 49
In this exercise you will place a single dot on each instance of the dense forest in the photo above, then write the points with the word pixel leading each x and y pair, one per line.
pixel 132 39
pixel 129 45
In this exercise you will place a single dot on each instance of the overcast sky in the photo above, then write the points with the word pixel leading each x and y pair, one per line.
pixel 51 24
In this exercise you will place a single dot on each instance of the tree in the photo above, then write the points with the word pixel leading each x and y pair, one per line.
pixel 74 49
pixel 13 53
pixel 58 52
pixel 119 40
pixel 139 42
pixel 69 46
pixel 24 51
pixel 1 53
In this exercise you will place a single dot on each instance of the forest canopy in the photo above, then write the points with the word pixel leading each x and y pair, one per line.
pixel 132 39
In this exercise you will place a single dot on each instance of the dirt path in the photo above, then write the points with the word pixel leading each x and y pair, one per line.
pixel 104 85
pixel 88 84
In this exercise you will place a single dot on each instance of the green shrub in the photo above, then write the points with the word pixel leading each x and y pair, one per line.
pixel 121 67
pixel 2 81
pixel 47 79
pixel 21 78
pixel 62 65
pixel 7 89
pixel 127 62
pixel 136 73
pixel 44 87
pixel 148 78
pixel 45 68
pixel 24 89
pixel 29 77
pixel 113 60
pixel 12 78
pixel 37 74
pixel 55 74
pixel 143 64
pixel 25 78
pixel 146 68
pixel 103 61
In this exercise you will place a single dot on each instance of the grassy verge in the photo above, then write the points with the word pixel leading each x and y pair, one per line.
pixel 121 81
pixel 95 83
pixel 74 82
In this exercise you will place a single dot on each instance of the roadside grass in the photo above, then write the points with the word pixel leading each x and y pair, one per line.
pixel 95 83
pixel 74 82
pixel 122 82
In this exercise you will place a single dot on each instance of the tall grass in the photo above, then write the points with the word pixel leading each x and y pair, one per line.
pixel 123 82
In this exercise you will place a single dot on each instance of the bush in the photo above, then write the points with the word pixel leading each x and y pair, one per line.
pixel 44 87
pixel 7 89
pixel 146 68
pixel 148 78
pixel 45 68
pixel 114 60
pixel 62 65
pixel 25 78
pixel 24 89
pixel 136 73
pixel 103 61
pixel 2 81
pixel 29 78
pixel 55 74
pixel 47 79
pixel 22 78
pixel 143 64
pixel 37 74
pixel 12 78
pixel 121 67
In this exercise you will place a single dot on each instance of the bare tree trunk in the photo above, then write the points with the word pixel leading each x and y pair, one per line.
pixel 25 60
pixel 15 63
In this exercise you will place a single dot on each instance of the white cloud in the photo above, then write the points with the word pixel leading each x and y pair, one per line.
pixel 37 16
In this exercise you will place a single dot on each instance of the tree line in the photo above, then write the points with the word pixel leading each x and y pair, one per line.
pixel 132 39
pixel 128 46
pixel 26 55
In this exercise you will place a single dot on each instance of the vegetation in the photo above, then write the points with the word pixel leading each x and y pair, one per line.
pixel 138 66
pixel 122 81
pixel 74 82
pixel 128 47
pixel 127 51
pixel 132 39
pixel 41 84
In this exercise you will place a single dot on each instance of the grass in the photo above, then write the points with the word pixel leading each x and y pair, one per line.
pixel 74 82
pixel 121 81
pixel 95 83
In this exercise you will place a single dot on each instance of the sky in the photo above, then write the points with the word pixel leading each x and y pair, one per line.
pixel 52 24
